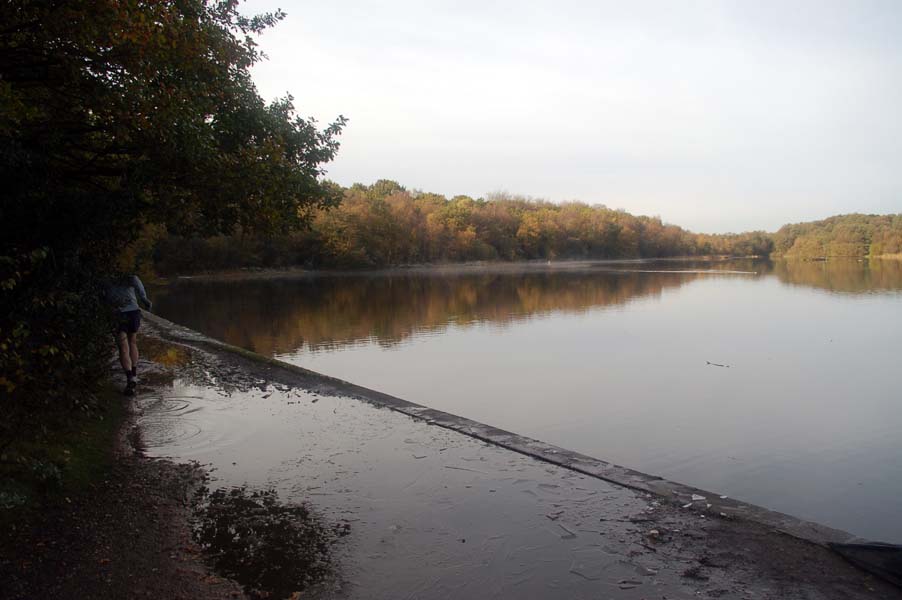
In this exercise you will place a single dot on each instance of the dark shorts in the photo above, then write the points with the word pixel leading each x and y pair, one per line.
pixel 129 321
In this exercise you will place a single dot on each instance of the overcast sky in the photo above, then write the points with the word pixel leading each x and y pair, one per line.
pixel 717 116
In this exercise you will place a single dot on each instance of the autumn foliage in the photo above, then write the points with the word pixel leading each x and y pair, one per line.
pixel 385 224
pixel 842 236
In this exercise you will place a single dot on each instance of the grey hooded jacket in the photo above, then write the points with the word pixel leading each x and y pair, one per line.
pixel 124 295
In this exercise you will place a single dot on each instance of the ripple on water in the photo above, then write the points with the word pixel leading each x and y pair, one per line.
pixel 163 421
pixel 166 403
pixel 159 431
pixel 183 425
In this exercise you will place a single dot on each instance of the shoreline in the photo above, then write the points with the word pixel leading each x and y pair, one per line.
pixel 489 267
pixel 507 267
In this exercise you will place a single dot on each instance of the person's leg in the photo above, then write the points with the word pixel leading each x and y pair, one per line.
pixel 124 354
pixel 125 360
pixel 133 352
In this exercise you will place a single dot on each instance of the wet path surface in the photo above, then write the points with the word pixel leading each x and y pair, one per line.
pixel 446 515
pixel 436 514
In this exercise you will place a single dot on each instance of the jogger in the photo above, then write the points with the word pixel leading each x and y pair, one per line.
pixel 124 293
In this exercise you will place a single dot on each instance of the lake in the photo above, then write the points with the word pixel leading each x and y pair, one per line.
pixel 775 383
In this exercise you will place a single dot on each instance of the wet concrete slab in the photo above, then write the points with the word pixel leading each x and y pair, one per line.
pixel 437 512
pixel 443 514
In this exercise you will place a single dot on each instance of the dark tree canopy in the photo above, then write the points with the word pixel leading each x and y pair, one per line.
pixel 116 115
pixel 115 112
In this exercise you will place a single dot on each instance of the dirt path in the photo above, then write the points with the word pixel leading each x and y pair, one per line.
pixel 127 536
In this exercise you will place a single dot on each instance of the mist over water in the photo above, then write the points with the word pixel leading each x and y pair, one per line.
pixel 620 361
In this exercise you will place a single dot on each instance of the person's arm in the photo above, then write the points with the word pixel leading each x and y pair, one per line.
pixel 142 294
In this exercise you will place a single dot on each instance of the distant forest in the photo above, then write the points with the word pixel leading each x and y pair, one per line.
pixel 853 235
pixel 385 224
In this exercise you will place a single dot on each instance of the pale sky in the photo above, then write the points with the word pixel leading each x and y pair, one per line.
pixel 715 115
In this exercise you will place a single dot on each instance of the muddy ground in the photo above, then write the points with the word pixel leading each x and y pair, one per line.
pixel 128 536
pixel 131 535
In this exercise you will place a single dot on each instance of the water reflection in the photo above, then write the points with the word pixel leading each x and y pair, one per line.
pixel 280 316
pixel 615 361
pixel 845 276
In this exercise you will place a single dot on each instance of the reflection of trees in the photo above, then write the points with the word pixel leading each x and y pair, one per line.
pixel 850 276
pixel 278 316
pixel 317 312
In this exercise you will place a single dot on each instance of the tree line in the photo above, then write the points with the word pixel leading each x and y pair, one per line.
pixel 385 224
pixel 854 235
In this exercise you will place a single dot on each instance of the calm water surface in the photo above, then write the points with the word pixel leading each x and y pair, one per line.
pixel 614 360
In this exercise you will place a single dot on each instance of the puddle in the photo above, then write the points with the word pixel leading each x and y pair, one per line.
pixel 273 550
pixel 447 516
